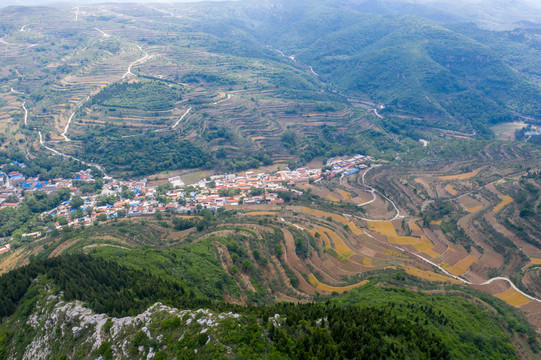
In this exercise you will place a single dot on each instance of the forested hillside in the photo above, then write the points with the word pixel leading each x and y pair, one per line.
pixel 411 65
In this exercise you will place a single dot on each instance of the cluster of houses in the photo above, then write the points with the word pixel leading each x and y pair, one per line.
pixel 5 248
pixel 347 166
pixel 14 185
pixel 212 193
pixel 280 180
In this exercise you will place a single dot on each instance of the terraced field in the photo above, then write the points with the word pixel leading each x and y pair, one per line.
pixel 322 287
pixel 434 216
pixel 464 176
pixel 506 200
pixel 513 297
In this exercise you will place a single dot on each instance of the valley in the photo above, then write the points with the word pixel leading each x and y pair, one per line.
pixel 229 199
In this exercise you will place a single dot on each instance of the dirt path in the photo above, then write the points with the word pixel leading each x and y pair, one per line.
pixel 103 32
pixel 25 114
pixel 42 143
pixel 374 191
pixel 377 114
pixel 182 117
pixel 221 101
pixel 16 92
pixel 66 128
pixel 144 58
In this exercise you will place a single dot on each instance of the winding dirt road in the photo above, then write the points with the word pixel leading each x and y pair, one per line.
pixel 221 101
pixel 144 58
pixel 373 192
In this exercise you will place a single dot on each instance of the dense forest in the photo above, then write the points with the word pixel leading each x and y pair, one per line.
pixel 145 94
pixel 144 154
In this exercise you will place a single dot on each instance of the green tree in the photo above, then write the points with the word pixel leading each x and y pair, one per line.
pixel 76 202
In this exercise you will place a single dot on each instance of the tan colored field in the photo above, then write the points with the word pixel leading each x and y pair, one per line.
pixel 463 265
pixel 383 227
pixel 404 240
pixel 475 209
pixel 428 275
pixel 422 182
pixel 426 246
pixel 387 228
pixel 471 204
pixel 413 226
pixel 367 261
pixel 536 261
pixel 323 214
pixel 451 190
pixel 434 222
pixel 506 131
pixel 255 138
pixel 262 213
pixel 333 198
pixel 464 176
pixel 346 195
pixel 63 247
pixel 339 246
pixel 327 288
pixel 9 262
pixel 506 200
pixel 513 297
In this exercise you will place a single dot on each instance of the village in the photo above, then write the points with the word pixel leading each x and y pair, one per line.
pixel 135 198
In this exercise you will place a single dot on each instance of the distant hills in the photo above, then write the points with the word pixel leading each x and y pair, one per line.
pixel 430 68
pixel 462 78
pixel 490 14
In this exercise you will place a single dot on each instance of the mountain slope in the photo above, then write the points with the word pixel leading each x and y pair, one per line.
pixel 413 65
pixel 372 322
